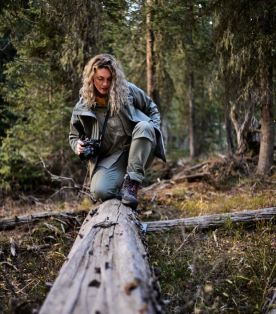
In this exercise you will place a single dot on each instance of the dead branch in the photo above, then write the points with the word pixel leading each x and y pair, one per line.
pixel 176 179
pixel 189 170
pixel 211 221
pixel 191 177
pixel 8 223
pixel 55 177
pixel 201 222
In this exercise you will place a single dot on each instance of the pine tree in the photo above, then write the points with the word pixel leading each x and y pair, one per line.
pixel 246 36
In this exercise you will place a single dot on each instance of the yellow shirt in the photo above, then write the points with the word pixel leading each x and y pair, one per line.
pixel 101 101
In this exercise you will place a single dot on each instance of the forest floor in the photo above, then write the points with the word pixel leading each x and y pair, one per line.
pixel 231 269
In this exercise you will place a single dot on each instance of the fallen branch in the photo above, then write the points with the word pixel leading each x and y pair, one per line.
pixel 191 177
pixel 200 222
pixel 82 189
pixel 176 179
pixel 55 177
pixel 8 223
pixel 160 184
pixel 187 171
pixel 216 220
pixel 107 270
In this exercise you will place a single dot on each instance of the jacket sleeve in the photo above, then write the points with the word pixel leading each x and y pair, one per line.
pixel 145 104
pixel 74 133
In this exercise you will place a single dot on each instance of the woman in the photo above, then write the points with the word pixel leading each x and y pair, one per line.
pixel 125 120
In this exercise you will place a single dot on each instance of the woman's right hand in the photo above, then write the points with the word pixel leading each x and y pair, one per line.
pixel 79 147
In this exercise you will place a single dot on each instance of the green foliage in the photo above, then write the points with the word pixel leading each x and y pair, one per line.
pixel 245 42
pixel 40 85
pixel 43 48
pixel 7 53
pixel 183 33
pixel 224 271
pixel 16 173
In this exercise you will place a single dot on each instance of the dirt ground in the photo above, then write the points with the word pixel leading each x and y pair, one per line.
pixel 227 270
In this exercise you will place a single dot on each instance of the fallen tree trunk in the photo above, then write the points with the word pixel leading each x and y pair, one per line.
pixel 8 223
pixel 107 269
pixel 201 222
pixel 216 220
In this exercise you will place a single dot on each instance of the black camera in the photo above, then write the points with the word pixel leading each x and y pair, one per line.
pixel 91 149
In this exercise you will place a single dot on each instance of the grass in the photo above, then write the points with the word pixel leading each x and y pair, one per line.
pixel 187 200
pixel 30 258
pixel 222 271
pixel 224 203
pixel 228 270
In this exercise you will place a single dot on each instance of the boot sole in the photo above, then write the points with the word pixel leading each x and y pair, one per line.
pixel 130 203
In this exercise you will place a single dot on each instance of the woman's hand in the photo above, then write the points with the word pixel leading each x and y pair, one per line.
pixel 79 147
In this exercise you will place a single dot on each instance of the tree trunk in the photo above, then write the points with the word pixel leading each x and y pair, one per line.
pixel 165 129
pixel 267 129
pixel 151 42
pixel 242 125
pixel 107 269
pixel 149 50
pixel 227 120
pixel 191 115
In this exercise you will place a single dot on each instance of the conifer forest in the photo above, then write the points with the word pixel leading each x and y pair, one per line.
pixel 210 67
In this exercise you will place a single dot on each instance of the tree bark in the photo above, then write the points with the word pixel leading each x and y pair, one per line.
pixel 227 120
pixel 151 56
pixel 8 223
pixel 149 50
pixel 107 269
pixel 267 129
pixel 241 126
pixel 213 221
pixel 191 115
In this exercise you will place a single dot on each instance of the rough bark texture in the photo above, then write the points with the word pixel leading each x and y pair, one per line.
pixel 107 270
pixel 241 125
pixel 8 223
pixel 216 220
pixel 267 139
pixel 267 130
pixel 227 119
pixel 191 115
pixel 151 56
pixel 266 84
pixel 149 51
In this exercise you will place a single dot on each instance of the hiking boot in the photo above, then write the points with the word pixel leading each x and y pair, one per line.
pixel 129 192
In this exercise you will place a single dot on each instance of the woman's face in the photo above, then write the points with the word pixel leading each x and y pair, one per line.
pixel 102 81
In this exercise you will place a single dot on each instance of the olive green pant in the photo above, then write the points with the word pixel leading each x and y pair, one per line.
pixel 106 182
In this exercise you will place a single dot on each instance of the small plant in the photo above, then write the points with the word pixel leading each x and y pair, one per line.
pixel 221 271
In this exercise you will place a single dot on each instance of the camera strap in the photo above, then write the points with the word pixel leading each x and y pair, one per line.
pixel 104 124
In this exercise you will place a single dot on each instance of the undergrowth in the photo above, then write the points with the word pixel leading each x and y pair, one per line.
pixel 222 271
pixel 30 258
pixel 227 270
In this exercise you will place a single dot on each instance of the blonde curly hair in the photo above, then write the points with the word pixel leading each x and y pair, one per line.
pixel 118 92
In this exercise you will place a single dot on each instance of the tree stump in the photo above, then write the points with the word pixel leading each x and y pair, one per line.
pixel 107 269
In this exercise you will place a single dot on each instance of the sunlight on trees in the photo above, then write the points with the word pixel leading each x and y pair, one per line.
pixel 212 64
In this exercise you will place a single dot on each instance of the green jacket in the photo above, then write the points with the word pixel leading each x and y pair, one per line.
pixel 138 108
